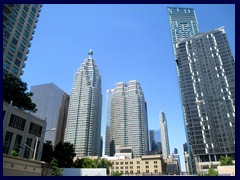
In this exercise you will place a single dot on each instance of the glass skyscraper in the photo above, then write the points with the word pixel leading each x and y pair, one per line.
pixel 129 126
pixel 19 22
pixel 108 122
pixel 206 73
pixel 51 103
pixel 207 82
pixel 183 24
pixel 155 141
pixel 164 135
pixel 83 128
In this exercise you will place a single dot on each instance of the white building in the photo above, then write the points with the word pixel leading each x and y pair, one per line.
pixel 83 127
pixel 164 136
pixel 128 126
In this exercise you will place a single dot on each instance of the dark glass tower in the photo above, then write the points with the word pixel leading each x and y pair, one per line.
pixel 19 22
pixel 207 81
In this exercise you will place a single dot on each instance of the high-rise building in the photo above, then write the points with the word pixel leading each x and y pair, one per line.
pixel 108 122
pixel 51 103
pixel 164 136
pixel 206 71
pixel 183 24
pixel 155 141
pixel 19 22
pixel 177 157
pixel 83 128
pixel 128 126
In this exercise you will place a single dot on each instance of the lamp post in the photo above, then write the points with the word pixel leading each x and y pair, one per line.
pixel 36 143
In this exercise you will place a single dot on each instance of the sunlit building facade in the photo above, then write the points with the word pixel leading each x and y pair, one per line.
pixel 19 22
pixel 83 127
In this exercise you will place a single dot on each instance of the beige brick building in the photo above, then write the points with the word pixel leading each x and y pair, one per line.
pixel 146 165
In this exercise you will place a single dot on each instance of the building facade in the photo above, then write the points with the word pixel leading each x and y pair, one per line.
pixel 164 136
pixel 19 22
pixel 207 82
pixel 183 24
pixel 51 102
pixel 128 126
pixel 83 128
pixel 108 122
pixel 22 131
pixel 155 141
pixel 146 165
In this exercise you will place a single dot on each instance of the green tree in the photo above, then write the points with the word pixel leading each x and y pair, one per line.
pixel 89 163
pixel 56 171
pixel 117 174
pixel 212 172
pixel 14 89
pixel 47 152
pixel 104 163
pixel 226 161
pixel 64 153
pixel 14 153
pixel 78 163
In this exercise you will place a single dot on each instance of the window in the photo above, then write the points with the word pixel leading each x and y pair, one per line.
pixel 117 163
pixel 17 122
pixel 6 65
pixel 147 171
pixel 20 55
pixel 155 166
pixel 27 149
pixel 138 162
pixel 146 162
pixel 21 47
pixel 9 56
pixel 138 167
pixel 11 48
pixel 126 162
pixel 25 8
pixel 35 129
pixel 147 167
pixel 155 171
pixel 24 41
pixel 18 142
pixel 7 142
pixel 26 34
pixel 19 27
pixel 131 162
pixel 6 34
pixel 121 163
pixel 21 20
pixel 24 14
pixel 17 62
pixel 15 70
pixel 14 41
pixel 155 162
pixel 16 34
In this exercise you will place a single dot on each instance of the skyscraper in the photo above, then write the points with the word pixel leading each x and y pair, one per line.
pixel 207 81
pixel 108 122
pixel 155 141
pixel 183 24
pixel 19 22
pixel 164 136
pixel 84 115
pixel 51 102
pixel 129 118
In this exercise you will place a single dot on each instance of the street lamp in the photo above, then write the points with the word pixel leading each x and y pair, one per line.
pixel 36 144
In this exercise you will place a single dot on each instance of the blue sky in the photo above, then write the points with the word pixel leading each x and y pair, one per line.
pixel 129 42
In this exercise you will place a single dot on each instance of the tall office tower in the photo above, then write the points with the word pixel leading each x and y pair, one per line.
pixel 62 119
pixel 84 115
pixel 19 22
pixel 155 141
pixel 164 136
pixel 129 118
pixel 183 24
pixel 177 157
pixel 207 81
pixel 108 122
pixel 51 102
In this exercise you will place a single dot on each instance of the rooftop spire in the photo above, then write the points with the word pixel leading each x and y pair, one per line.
pixel 90 53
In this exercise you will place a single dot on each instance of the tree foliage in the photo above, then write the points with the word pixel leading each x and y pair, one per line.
pixel 56 171
pixel 64 153
pixel 14 90
pixel 47 152
pixel 117 173
pixel 226 161
pixel 212 172
pixel 90 163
